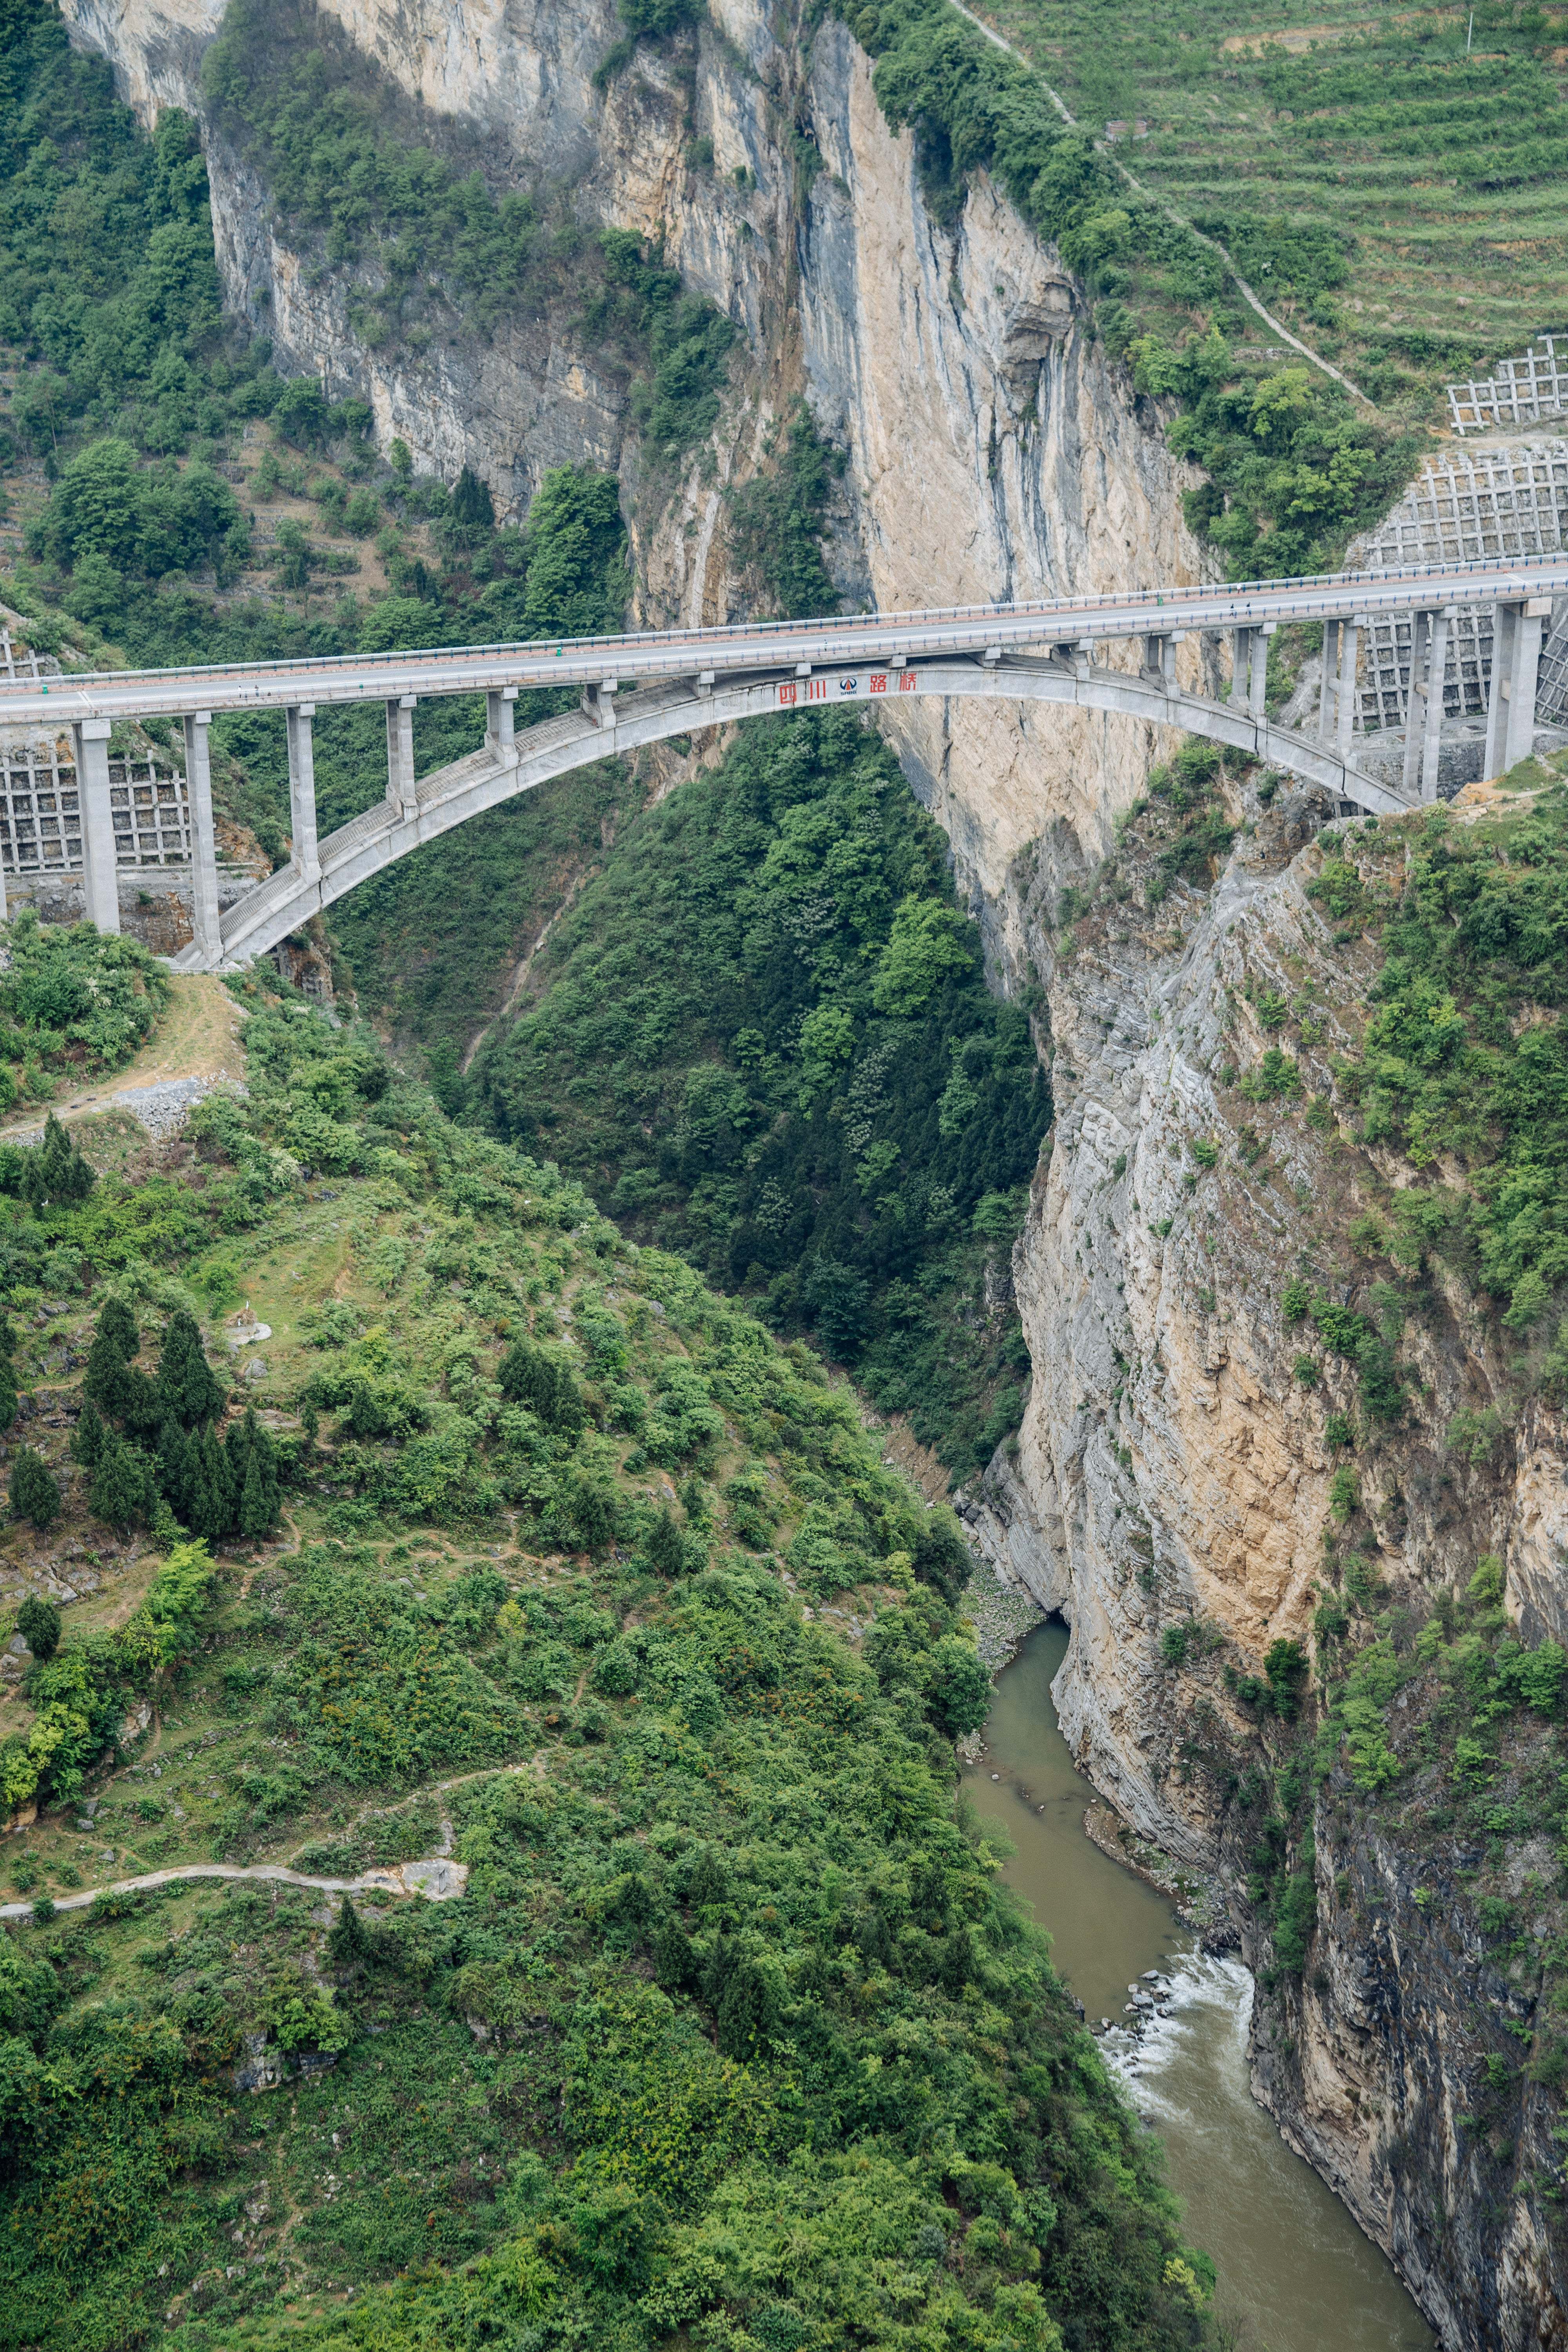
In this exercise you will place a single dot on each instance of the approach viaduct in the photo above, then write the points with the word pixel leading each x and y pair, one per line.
pixel 639 690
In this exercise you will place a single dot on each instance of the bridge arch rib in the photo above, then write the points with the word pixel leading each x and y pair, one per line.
pixel 497 773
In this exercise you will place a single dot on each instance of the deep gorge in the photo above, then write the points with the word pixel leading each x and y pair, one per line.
pixel 1233 1325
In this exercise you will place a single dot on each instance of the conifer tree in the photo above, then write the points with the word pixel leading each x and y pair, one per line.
pixel 118 1487
pixel 213 1497
pixel 175 1467
pixel 34 1494
pixel 38 1623
pixel 56 1175
pixel 663 1548
pixel 90 1437
pixel 186 1384
pixel 258 1493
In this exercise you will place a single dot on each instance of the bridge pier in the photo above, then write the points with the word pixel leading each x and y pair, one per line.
pixel 1516 658
pixel 599 701
pixel 303 790
pixel 1345 695
pixel 204 919
pixel 400 792
pixel 501 720
pixel 1423 701
pixel 99 878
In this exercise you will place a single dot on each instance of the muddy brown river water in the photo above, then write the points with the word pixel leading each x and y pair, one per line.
pixel 1296 2274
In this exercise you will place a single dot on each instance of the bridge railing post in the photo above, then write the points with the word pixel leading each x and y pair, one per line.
pixel 1344 698
pixel 206 921
pixel 1437 682
pixel 400 791
pixel 303 790
pixel 100 877
pixel 501 720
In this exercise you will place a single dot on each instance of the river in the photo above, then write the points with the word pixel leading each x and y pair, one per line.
pixel 1296 2274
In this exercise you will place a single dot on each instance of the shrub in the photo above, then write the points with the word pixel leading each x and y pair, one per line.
pixel 1345 1495
pixel 1296 1300
pixel 1305 1373
pixel 39 1623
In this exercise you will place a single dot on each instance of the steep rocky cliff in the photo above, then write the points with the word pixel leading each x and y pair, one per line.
pixel 1184 1490
pixel 992 450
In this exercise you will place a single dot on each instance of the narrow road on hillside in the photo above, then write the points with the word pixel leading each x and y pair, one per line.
pixel 437 1879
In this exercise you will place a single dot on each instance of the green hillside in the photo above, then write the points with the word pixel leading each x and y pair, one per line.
pixel 1400 204
pixel 733 2038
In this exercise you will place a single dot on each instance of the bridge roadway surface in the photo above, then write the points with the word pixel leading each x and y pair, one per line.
pixel 768 645
pixel 644 688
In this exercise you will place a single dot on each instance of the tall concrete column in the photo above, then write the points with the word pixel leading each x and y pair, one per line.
pixel 501 720
pixel 1326 682
pixel 1350 639
pixel 1260 683
pixel 1240 661
pixel 205 921
pixel 1516 657
pixel 1437 679
pixel 1416 698
pixel 400 752
pixel 303 790
pixel 101 878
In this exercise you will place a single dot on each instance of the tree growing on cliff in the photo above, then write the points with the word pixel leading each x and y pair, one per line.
pixel 34 1494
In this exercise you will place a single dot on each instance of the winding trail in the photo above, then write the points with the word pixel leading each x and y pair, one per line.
pixel 440 1880
pixel 1150 195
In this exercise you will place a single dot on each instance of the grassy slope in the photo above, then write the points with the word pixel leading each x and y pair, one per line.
pixel 734 2020
pixel 1298 130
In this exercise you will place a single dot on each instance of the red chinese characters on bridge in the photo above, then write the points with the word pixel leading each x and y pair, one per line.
pixel 815 689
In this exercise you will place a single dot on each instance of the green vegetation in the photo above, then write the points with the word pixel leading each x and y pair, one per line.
pixel 1397 203
pixel 735 2033
pixel 135 392
pixel 78 1695
pixel 1296 467
pixel 775 522
pixel 1464 1053
pixel 72 1004
pixel 761 1036
pixel 1369 156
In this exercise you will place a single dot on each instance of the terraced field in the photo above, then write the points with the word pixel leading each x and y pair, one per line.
pixel 1400 204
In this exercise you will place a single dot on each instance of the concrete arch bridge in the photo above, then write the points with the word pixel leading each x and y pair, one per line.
pixel 105 825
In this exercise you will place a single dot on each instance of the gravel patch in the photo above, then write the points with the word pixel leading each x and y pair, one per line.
pixel 162 1109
